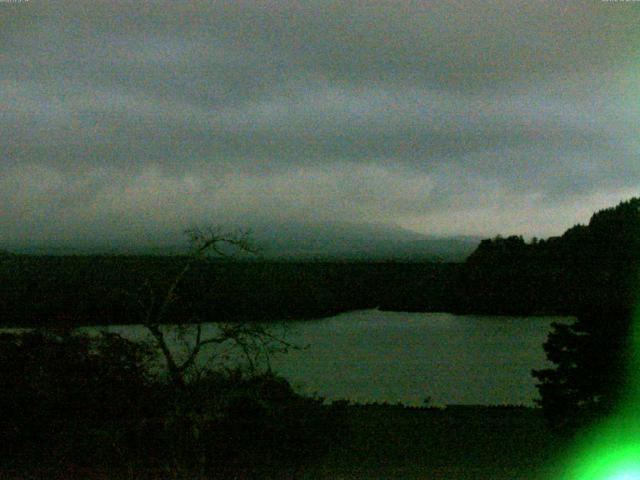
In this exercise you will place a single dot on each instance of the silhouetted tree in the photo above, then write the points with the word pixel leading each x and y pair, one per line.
pixel 192 420
pixel 590 354
pixel 69 398
pixel 252 339
pixel 590 364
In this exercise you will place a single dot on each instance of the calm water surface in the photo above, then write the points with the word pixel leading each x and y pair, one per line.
pixel 371 355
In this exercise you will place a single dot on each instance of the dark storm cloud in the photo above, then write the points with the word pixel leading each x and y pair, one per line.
pixel 416 112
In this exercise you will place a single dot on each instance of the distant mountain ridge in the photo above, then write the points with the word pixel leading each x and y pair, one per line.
pixel 360 241
pixel 299 241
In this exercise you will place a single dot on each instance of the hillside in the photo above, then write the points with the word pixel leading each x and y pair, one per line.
pixel 291 241
pixel 591 264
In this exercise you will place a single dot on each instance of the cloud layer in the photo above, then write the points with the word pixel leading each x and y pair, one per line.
pixel 123 120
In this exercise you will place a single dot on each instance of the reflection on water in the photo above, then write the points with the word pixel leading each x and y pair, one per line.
pixel 370 355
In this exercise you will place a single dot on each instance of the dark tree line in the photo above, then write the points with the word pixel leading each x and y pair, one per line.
pixel 594 264
pixel 96 290
pixel 591 356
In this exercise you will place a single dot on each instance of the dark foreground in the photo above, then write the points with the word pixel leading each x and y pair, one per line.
pixel 391 442
pixel 453 443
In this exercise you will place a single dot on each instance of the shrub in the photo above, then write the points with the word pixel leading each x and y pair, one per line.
pixel 60 389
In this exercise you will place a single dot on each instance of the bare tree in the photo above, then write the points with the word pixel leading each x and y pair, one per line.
pixel 254 340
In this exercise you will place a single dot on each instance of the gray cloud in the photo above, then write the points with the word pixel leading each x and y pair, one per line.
pixel 442 117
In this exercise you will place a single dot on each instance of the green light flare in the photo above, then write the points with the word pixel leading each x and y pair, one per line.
pixel 611 450
pixel 627 476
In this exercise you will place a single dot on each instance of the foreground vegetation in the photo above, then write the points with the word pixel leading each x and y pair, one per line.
pixel 70 401
pixel 76 406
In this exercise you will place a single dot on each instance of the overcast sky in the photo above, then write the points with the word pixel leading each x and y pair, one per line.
pixel 123 120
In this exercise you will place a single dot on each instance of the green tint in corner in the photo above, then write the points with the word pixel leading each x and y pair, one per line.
pixel 611 450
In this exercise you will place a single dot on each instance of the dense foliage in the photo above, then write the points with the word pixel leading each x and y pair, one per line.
pixel 590 356
pixel 589 373
pixel 69 400
pixel 92 290
pixel 61 392
pixel 588 265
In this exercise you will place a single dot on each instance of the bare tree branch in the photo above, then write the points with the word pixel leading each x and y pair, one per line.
pixel 253 340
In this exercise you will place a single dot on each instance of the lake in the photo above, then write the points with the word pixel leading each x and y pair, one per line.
pixel 374 356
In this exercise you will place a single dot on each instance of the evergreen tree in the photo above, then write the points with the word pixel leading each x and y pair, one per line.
pixel 591 353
